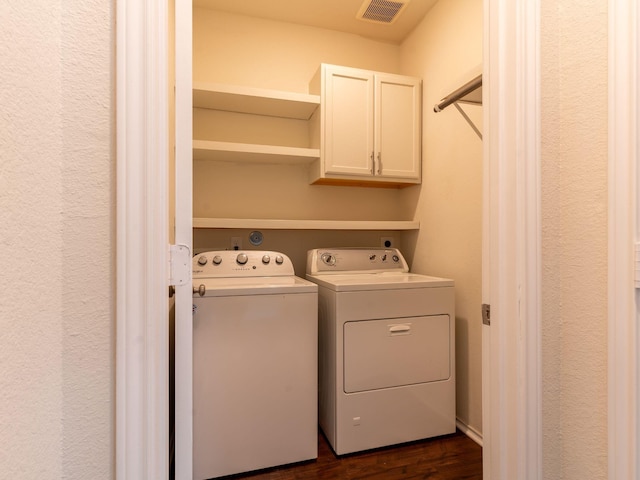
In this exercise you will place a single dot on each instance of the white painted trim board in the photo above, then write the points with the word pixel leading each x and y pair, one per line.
pixel 512 434
pixel 142 408
pixel 623 210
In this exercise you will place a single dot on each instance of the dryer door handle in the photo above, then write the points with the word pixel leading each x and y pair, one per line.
pixel 402 329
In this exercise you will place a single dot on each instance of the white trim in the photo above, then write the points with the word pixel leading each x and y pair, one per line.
pixel 142 420
pixel 511 258
pixel 278 224
pixel 623 208
pixel 469 431
pixel 529 242
pixel 183 236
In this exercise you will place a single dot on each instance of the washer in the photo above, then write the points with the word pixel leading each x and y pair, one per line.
pixel 254 363
pixel 386 349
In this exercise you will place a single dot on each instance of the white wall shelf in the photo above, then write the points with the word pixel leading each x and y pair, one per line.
pixel 276 224
pixel 255 101
pixel 251 153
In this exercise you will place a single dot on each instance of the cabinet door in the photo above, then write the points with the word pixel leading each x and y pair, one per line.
pixel 348 121
pixel 398 126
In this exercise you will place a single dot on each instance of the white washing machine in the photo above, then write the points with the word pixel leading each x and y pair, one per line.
pixel 386 349
pixel 254 363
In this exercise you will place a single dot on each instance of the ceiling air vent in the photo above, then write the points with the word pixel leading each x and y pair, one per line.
pixel 381 11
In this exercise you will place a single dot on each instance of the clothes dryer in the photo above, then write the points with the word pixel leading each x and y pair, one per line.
pixel 386 349
pixel 254 363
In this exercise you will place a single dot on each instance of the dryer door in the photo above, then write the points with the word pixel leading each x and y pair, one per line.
pixel 395 352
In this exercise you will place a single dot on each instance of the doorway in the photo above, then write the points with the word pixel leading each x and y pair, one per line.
pixel 509 21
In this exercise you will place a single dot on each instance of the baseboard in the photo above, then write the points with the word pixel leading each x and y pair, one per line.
pixel 470 432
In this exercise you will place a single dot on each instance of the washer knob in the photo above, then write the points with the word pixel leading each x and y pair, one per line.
pixel 396 258
pixel 328 259
pixel 202 260
pixel 279 259
pixel 266 259
pixel 242 258
pixel 217 260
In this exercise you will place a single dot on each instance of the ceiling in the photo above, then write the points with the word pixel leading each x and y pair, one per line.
pixel 337 15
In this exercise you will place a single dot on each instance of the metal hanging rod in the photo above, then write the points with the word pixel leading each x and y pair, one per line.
pixel 462 94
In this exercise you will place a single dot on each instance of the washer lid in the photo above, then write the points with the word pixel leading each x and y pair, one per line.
pixel 378 281
pixel 236 286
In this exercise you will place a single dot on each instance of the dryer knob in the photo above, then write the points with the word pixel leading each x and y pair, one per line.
pixel 202 260
pixel 266 259
pixel 217 260
pixel 242 258
pixel 279 259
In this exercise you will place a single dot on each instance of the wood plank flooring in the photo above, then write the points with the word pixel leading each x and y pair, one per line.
pixel 450 457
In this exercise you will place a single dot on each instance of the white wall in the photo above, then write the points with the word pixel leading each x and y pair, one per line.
pixel 574 241
pixel 446 51
pixel 57 196
pixel 241 50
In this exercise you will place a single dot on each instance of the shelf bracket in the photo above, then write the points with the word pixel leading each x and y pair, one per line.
pixel 471 93
pixel 469 121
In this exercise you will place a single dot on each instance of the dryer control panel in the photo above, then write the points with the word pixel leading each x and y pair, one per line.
pixel 355 260
pixel 241 263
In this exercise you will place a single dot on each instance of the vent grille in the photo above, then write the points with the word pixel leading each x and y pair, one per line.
pixel 381 11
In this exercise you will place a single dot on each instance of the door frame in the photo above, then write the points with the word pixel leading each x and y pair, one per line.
pixel 184 236
pixel 511 280
pixel 624 111
pixel 142 327
pixel 512 398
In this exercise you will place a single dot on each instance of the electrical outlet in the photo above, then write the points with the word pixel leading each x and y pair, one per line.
pixel 386 242
pixel 236 243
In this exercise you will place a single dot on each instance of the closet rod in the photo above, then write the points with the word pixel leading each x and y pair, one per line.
pixel 458 94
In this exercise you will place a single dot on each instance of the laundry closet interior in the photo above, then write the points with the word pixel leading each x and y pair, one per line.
pixel 260 171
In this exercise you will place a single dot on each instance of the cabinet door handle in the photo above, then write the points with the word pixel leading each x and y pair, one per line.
pixel 373 164
pixel 379 163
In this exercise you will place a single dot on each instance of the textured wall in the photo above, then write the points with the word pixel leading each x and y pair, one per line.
pixel 57 196
pixel 444 49
pixel 574 241
pixel 31 281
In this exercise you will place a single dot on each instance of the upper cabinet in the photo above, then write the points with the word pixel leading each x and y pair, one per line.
pixel 356 127
pixel 368 127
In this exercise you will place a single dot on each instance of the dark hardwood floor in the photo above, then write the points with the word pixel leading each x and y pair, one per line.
pixel 450 457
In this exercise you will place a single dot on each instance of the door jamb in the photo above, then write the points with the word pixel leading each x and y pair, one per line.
pixel 142 408
pixel 624 47
pixel 512 431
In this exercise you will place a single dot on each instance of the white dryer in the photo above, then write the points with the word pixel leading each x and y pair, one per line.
pixel 254 363
pixel 386 349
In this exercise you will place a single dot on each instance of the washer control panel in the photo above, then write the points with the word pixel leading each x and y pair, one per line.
pixel 355 260
pixel 241 263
